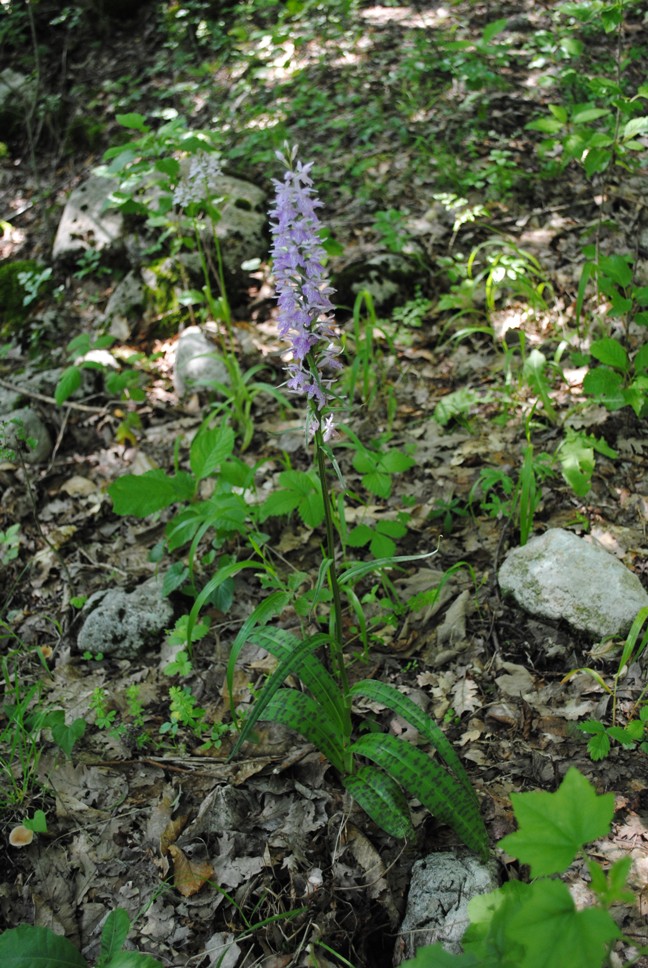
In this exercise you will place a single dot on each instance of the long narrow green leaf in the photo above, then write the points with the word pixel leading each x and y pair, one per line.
pixel 382 799
pixel 424 779
pixel 403 706
pixel 312 673
pixel 270 607
pixel 288 666
pixel 361 568
pixel 300 712
pixel 221 576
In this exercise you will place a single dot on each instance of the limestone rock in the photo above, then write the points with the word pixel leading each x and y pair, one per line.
pixel 561 576
pixel 84 223
pixel 26 424
pixel 242 225
pixel 437 903
pixel 197 364
pixel 126 302
pixel 123 624
pixel 388 276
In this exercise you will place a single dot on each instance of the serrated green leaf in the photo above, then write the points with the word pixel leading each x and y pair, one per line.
pixel 144 494
pixel 311 509
pixel 36 947
pixel 359 536
pixel 382 799
pixel 209 449
pixel 381 545
pixel 300 712
pixel 554 826
pixel 610 352
pixel 377 483
pixel 424 779
pixel 599 747
pixel 555 934
pixel 279 503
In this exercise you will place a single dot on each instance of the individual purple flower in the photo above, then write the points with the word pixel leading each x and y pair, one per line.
pixel 303 290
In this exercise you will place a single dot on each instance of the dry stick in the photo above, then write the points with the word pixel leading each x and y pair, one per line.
pixel 34 395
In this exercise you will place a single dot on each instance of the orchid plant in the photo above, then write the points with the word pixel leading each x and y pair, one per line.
pixel 377 769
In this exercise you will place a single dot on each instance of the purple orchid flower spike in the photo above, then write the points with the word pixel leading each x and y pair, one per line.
pixel 303 291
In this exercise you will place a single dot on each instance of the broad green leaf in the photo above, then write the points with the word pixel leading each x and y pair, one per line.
pixel 37 823
pixel 634 127
pixel 553 827
pixel 66 736
pixel 607 386
pixel 395 462
pixel 35 947
pixel 69 382
pixel 424 779
pixel 382 799
pixel 545 125
pixel 132 959
pixel 555 934
pixel 617 268
pixel 133 120
pixel 577 462
pixel 435 956
pixel 586 113
pixel 279 503
pixel 311 509
pixel 486 935
pixel 114 933
pixel 209 449
pixel 144 494
pixel 298 711
pixel 403 706
pixel 455 404
pixel 610 352
pixel 495 27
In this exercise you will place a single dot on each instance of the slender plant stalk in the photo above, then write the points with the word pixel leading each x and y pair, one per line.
pixel 336 645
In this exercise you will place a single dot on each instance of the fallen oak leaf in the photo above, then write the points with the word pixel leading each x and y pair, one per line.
pixel 189 875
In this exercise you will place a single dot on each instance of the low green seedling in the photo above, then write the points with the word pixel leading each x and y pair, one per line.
pixel 537 924
pixel 29 945
pixel 634 734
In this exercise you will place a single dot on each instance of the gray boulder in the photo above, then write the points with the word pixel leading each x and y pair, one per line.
pixel 437 904
pixel 85 222
pixel 197 364
pixel 123 624
pixel 242 225
pixel 561 576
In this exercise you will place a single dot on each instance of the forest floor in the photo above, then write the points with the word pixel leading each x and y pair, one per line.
pixel 391 129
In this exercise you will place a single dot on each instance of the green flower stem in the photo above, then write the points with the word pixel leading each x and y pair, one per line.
pixel 336 646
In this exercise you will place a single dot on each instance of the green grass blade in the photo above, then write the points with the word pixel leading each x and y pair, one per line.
pixel 403 706
pixel 359 569
pixel 382 799
pixel 300 712
pixel 269 608
pixel 424 779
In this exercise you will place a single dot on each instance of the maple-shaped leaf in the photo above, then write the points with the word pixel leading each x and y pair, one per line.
pixel 555 934
pixel 554 826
